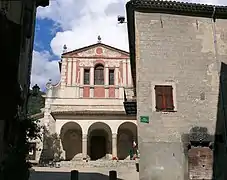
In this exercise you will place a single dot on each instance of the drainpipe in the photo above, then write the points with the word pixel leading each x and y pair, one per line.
pixel 219 71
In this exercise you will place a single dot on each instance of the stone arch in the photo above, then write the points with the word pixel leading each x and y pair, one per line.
pixel 71 137
pixel 126 134
pixel 99 140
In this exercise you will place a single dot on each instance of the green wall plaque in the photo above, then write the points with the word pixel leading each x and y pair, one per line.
pixel 144 119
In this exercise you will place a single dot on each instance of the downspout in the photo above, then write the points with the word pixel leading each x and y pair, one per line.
pixel 219 70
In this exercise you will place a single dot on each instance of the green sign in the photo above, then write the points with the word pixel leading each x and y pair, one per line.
pixel 144 119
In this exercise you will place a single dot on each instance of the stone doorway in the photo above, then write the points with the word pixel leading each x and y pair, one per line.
pixel 98 147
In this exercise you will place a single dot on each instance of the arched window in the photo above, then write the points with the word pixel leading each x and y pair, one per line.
pixel 99 75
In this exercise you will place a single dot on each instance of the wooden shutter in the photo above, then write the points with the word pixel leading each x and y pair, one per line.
pixel 159 98
pixel 86 76
pixel 169 97
pixel 164 98
pixel 111 77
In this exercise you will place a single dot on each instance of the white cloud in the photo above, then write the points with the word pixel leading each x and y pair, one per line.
pixel 83 20
pixel 43 69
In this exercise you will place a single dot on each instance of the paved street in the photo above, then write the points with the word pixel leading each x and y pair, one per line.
pixel 85 174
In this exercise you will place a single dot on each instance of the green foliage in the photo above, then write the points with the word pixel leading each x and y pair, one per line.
pixel 22 130
pixel 36 103
pixel 52 148
pixel 15 163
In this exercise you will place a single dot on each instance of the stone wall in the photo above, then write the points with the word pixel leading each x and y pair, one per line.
pixel 178 51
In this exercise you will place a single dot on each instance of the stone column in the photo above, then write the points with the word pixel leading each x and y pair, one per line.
pixel 63 72
pixel 63 151
pixel 106 79
pixel 124 72
pixel 69 72
pixel 116 76
pixel 116 81
pixel 81 81
pixel 114 145
pixel 92 76
pixel 84 146
pixel 91 82
pixel 129 73
pixel 74 68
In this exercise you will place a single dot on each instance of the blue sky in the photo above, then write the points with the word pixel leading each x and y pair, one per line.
pixel 77 23
pixel 44 32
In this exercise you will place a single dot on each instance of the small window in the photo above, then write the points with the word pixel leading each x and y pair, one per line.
pixel 99 75
pixel 164 98
pixel 111 76
pixel 86 76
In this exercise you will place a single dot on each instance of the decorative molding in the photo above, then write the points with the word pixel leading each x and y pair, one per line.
pixel 66 108
pixel 86 63
pixel 103 52
pixel 89 52
pixel 124 61
pixel 111 53
pixel 199 134
pixel 112 64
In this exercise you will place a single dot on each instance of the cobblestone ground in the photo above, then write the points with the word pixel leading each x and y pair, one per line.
pixel 86 173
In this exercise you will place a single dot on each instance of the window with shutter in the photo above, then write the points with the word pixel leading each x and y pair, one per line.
pixel 99 75
pixel 111 77
pixel 164 98
pixel 86 76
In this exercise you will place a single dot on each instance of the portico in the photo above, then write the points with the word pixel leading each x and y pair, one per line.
pixel 94 136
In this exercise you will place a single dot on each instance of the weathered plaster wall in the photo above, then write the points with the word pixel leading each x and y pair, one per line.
pixel 176 50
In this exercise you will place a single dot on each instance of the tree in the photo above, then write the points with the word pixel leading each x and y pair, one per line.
pixel 51 147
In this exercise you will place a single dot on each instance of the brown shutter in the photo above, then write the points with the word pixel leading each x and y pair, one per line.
pixel 169 97
pixel 159 98
pixel 164 98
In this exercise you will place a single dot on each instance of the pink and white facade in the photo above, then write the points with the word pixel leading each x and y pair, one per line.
pixel 86 107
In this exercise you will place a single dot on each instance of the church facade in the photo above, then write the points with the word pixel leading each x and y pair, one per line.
pixel 86 107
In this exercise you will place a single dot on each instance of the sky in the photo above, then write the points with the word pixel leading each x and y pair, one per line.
pixel 77 23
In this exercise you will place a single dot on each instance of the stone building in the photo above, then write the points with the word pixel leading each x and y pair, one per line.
pixel 86 107
pixel 17 22
pixel 178 55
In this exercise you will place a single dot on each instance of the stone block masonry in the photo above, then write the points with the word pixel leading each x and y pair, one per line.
pixel 178 51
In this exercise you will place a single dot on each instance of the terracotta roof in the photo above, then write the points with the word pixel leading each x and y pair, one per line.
pixel 167 7
pixel 94 45
pixel 97 113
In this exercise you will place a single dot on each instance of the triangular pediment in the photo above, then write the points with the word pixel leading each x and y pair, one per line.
pixel 97 50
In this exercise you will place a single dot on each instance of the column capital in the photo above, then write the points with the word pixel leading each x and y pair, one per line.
pixel 124 60
pixel 114 135
pixel 84 136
